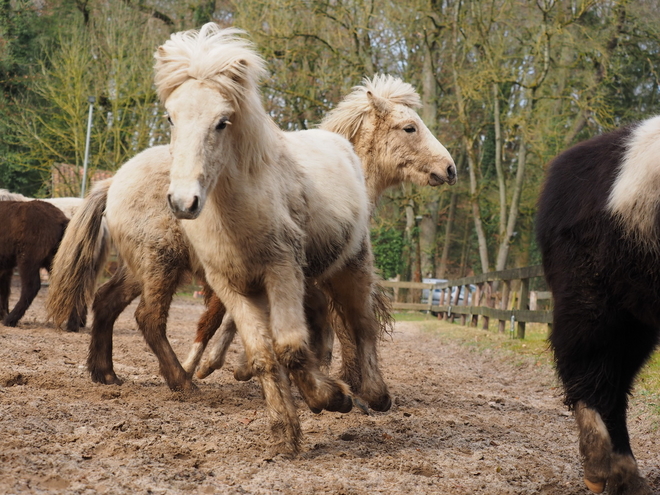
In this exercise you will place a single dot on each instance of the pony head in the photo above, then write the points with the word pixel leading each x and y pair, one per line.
pixel 379 118
pixel 204 78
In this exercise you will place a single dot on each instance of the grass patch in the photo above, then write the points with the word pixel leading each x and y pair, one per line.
pixel 647 386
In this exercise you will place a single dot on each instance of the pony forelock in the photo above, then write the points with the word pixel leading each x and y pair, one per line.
pixel 208 54
pixel 346 118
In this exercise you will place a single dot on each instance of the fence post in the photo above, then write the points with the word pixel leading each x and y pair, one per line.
pixel 476 301
pixel 441 302
pixel 485 320
pixel 524 303
pixel 504 304
pixel 452 317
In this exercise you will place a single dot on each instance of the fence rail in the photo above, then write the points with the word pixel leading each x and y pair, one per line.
pixel 484 301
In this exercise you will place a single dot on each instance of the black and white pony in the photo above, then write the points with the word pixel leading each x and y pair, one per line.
pixel 598 227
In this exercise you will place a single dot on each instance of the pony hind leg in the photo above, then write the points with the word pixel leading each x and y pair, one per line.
pixel 598 373
pixel 151 316
pixel 5 289
pixel 110 300
pixel 30 285
pixel 359 331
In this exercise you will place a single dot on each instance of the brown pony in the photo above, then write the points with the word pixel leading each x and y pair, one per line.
pixel 30 235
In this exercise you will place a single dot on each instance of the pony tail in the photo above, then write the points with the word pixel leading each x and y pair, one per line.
pixel 383 309
pixel 79 259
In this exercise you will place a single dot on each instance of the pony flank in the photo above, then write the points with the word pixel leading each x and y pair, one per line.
pixel 30 235
pixel 598 229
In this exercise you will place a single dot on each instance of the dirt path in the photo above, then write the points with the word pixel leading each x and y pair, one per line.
pixel 464 421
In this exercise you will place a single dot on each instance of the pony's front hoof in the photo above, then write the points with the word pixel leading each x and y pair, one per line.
pixel 106 378
pixel 595 487
pixel 340 403
pixel 204 371
pixel 243 373
pixel 183 386
pixel 381 404
pixel 9 322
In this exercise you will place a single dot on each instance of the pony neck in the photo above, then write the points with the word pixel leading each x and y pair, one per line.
pixel 376 176
pixel 258 138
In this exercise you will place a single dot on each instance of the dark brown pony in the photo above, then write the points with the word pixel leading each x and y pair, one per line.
pixel 30 235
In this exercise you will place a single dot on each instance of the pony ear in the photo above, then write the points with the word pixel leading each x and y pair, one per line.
pixel 380 104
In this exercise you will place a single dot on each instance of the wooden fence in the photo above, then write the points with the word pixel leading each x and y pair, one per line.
pixel 492 297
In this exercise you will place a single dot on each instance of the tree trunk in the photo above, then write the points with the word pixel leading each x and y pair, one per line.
pixel 441 271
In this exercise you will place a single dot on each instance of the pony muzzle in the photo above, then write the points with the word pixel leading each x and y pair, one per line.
pixel 184 208
pixel 448 176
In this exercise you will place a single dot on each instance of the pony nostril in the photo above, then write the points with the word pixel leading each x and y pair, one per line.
pixel 451 172
pixel 195 204
pixel 435 179
pixel 169 202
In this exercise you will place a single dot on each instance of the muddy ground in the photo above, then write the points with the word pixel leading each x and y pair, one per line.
pixel 464 421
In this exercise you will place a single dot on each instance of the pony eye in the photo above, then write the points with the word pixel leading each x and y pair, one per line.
pixel 410 129
pixel 224 122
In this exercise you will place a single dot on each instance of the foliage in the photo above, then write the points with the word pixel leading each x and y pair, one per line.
pixel 505 84
pixel 388 244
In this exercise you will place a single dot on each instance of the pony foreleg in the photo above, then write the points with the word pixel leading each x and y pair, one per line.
pixel 291 342
pixel 602 465
pixel 252 324
pixel 321 339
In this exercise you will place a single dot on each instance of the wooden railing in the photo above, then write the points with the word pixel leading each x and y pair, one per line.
pixel 485 301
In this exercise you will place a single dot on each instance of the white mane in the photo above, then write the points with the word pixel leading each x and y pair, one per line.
pixel 210 54
pixel 347 117
pixel 634 196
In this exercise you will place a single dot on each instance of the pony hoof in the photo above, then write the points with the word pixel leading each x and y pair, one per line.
pixel 106 379
pixel 204 371
pixel 598 487
pixel 342 403
pixel 243 374
pixel 9 323
pixel 186 386
pixel 383 404
pixel 315 410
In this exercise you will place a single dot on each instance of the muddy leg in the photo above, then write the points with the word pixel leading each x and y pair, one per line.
pixel 322 335
pixel 151 316
pixel 358 331
pixel 30 285
pixel 285 287
pixel 5 287
pixel 321 338
pixel 110 300
pixel 206 328
pixel 251 319
pixel 597 371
